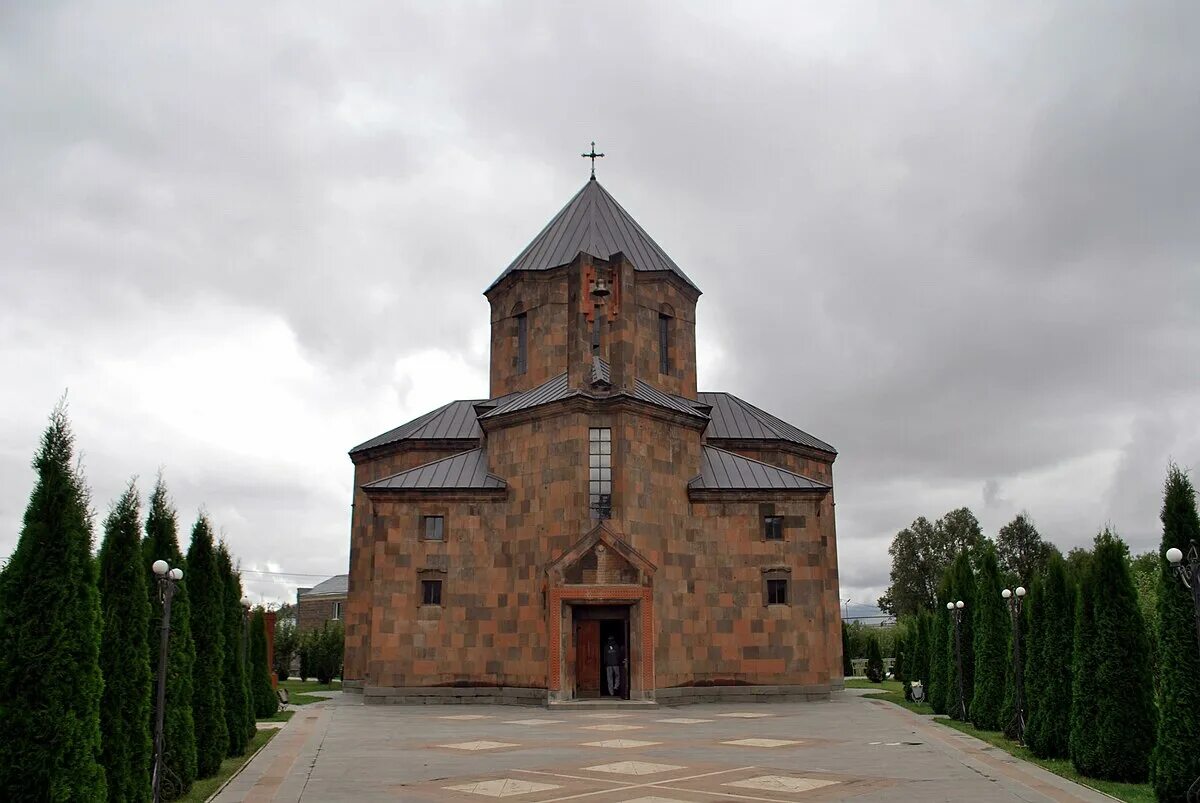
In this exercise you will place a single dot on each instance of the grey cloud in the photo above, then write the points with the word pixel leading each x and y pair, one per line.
pixel 959 244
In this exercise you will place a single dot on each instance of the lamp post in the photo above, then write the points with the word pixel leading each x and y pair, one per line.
pixel 956 608
pixel 1189 575
pixel 1014 609
pixel 166 578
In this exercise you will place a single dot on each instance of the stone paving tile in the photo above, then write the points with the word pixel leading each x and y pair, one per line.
pixel 745 715
pixel 683 721
pixel 620 744
pixel 502 787
pixel 479 745
pixel 534 721
pixel 759 742
pixel 464 717
pixel 608 715
pixel 612 727
pixel 634 768
pixel 781 783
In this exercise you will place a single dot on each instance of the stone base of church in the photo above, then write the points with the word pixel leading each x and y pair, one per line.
pixel 684 695
pixel 514 695
pixel 352 686
pixel 451 695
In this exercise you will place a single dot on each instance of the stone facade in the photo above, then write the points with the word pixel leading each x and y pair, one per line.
pixel 528 576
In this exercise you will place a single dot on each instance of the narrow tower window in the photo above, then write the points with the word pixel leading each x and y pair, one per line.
pixel 600 472
pixel 522 343
pixel 664 344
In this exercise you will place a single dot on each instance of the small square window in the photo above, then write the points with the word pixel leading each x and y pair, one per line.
pixel 431 592
pixel 433 527
pixel 777 592
pixel 773 528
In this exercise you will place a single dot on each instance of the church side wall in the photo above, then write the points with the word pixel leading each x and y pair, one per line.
pixel 489 629
pixel 357 614
pixel 715 627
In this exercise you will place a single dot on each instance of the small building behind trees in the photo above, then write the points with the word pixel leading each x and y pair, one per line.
pixel 322 603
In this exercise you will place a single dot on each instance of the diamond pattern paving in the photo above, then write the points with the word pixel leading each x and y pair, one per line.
pixel 535 722
pixel 634 768
pixel 744 715
pixel 612 727
pixel 619 743
pixel 683 721
pixel 466 716
pixel 502 787
pixel 607 716
pixel 782 783
pixel 761 742
pixel 657 800
pixel 479 745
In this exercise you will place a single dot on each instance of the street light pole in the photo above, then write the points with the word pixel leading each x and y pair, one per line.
pixel 1189 575
pixel 1014 609
pixel 166 578
pixel 956 608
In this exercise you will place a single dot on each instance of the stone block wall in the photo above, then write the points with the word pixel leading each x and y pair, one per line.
pixel 367 468
pixel 313 612
pixel 542 297
pixel 657 295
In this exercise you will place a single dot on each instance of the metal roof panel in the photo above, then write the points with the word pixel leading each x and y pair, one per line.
pixel 465 470
pixel 726 471
pixel 593 222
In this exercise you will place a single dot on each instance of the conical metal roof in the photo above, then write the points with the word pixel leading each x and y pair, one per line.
pixel 594 223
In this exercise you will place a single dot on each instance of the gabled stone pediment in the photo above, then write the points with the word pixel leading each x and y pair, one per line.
pixel 601 557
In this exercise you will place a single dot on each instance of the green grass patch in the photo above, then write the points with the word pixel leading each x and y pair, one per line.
pixel 298 690
pixel 1131 792
pixel 863 683
pixel 203 790
pixel 278 716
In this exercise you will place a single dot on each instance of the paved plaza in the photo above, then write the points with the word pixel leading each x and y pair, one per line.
pixel 850 748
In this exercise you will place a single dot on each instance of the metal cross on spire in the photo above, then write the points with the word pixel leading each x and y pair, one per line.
pixel 593 156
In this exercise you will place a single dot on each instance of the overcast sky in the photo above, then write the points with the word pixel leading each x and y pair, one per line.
pixel 957 241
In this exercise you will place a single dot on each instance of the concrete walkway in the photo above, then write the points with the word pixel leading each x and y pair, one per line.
pixel 852 747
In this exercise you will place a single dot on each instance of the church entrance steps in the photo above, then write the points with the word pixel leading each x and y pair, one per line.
pixel 602 705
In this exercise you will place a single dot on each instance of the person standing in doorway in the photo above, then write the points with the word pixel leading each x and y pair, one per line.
pixel 613 658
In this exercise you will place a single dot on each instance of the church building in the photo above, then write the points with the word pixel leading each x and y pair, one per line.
pixel 595 528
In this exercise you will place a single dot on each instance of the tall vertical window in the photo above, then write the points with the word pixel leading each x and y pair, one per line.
pixel 600 472
pixel 664 344
pixel 522 343
pixel 337 610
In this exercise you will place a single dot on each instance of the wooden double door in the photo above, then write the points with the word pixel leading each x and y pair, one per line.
pixel 601 643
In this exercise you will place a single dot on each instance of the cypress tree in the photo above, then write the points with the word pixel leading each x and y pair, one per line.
pixel 1049 664
pixel 847 669
pixel 1121 726
pixel 917 666
pixel 125 654
pixel 265 701
pixel 1176 760
pixel 874 660
pixel 991 645
pixel 941 650
pixel 208 625
pixel 179 736
pixel 237 691
pixel 50 681
pixel 962 587
pixel 1081 745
